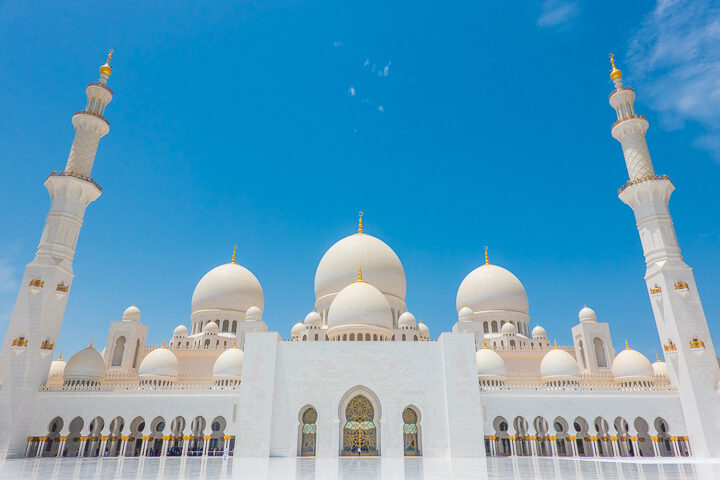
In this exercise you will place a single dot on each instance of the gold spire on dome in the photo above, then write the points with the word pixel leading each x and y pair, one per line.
pixel 484 343
pixel 627 347
pixel 360 215
pixel 91 342
pixel 360 279
pixel 615 73
pixel 163 344
pixel 235 343
pixel 107 69
pixel 487 260
pixel 60 357
pixel 657 355
pixel 233 257
pixel 555 342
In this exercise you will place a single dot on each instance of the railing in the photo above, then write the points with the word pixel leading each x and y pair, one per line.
pixel 538 387
pixel 134 387
pixel 628 117
pixel 88 112
pixel 55 173
pixel 621 89
pixel 98 84
pixel 643 179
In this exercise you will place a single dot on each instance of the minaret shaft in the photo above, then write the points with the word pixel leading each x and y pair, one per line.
pixel 676 305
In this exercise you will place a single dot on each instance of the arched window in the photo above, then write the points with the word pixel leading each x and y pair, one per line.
pixel 359 432
pixel 308 433
pixel 494 326
pixel 234 326
pixel 410 432
pixel 316 336
pixel 118 352
pixel 582 353
pixel 403 337
pixel 600 352
pixel 226 325
pixel 137 353
pixel 485 327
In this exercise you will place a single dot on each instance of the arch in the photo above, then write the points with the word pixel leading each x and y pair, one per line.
pixel 92 445
pixel 604 447
pixel 197 429
pixel 308 431
pixel 643 437
pixel 157 429
pixel 542 439
pixel 118 351
pixel 175 442
pixel 663 437
pixel 52 441
pixel 217 436
pixel 522 444
pixel 582 353
pixel 600 355
pixel 135 441
pixel 72 445
pixel 625 447
pixel 115 439
pixel 494 326
pixel 359 421
pixel 411 431
pixel 226 326
pixel 234 326
pixel 563 447
pixel 582 440
pixel 486 327
pixel 502 438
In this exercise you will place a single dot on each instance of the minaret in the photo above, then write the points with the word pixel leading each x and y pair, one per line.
pixel 679 315
pixel 35 322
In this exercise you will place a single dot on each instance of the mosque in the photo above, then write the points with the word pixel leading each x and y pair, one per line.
pixel 226 384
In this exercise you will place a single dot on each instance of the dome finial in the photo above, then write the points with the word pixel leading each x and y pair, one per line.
pixel 657 355
pixel 487 260
pixel 91 342
pixel 235 343
pixel 233 257
pixel 615 73
pixel 360 215
pixel 360 279
pixel 107 69
pixel 163 344
pixel 627 347
pixel 555 344
pixel 484 343
pixel 60 357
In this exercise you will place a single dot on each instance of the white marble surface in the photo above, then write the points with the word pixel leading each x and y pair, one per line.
pixel 354 468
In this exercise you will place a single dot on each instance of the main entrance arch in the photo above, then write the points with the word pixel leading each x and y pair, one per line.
pixel 359 431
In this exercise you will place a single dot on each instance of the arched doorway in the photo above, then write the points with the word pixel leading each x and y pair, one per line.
pixel 410 432
pixel 308 432
pixel 359 431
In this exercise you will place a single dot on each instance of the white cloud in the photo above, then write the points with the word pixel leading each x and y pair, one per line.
pixel 674 58
pixel 337 44
pixel 367 62
pixel 556 12
pixel 351 91
pixel 381 108
pixel 385 71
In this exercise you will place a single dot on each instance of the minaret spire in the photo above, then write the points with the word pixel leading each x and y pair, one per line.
pixel 675 301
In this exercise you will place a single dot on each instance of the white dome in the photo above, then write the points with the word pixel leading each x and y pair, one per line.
pixel 180 331
pixel 228 365
pixel 587 314
pixel 339 266
pixel 227 287
pixel 160 364
pixel 87 364
pixel 253 314
pixel 360 304
pixel 313 319
pixel 57 368
pixel 407 320
pixel 423 330
pixel 539 332
pixel 660 369
pixel 465 313
pixel 508 329
pixel 489 288
pixel 210 327
pixel 297 329
pixel 630 365
pixel 131 314
pixel 489 364
pixel 559 365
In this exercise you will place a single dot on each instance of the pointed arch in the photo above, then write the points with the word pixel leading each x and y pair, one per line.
pixel 359 413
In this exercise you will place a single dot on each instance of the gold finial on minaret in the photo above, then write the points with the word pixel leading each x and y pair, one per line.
pixel 360 215
pixel 615 73
pixel 107 69
pixel 627 347
pixel 484 343
pixel 657 355
pixel 235 343
pixel 60 357
pixel 233 257
pixel 91 342
pixel 487 260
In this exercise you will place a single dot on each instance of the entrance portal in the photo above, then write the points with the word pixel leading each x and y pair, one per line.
pixel 359 433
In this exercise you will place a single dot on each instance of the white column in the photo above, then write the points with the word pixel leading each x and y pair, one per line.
pixel 185 445
pixel 81 450
pixel 31 440
pixel 103 446
pixel 61 446
pixel 41 446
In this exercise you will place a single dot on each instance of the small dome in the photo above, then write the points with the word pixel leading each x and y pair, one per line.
pixel 57 368
pixel 423 330
pixel 465 314
pixel 253 314
pixel 539 332
pixel 228 365
pixel 587 315
pixel 360 304
pixel 297 329
pixel 490 365
pixel 559 365
pixel 210 328
pixel 508 329
pixel 313 319
pixel 131 314
pixel 227 287
pixel 160 364
pixel 407 320
pixel 381 266
pixel 660 369
pixel 631 365
pixel 490 288
pixel 180 331
pixel 87 364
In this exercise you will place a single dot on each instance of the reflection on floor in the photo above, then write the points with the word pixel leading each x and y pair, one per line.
pixel 416 468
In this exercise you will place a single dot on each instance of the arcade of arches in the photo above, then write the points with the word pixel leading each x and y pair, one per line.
pixel 584 439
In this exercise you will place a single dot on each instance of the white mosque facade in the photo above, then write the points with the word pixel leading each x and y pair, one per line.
pixel 360 375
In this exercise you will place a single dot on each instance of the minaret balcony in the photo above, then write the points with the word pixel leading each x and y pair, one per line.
pixel 628 117
pixel 695 343
pixel 75 175
pixel 97 115
pixel 621 89
pixel 644 179
pixel 98 84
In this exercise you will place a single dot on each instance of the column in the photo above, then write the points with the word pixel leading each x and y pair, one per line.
pixel 123 446
pixel 654 441
pixel 164 446
pixel 103 446
pixel 81 450
pixel 61 446
pixel 185 445
pixel 29 444
pixel 206 444
pixel 533 445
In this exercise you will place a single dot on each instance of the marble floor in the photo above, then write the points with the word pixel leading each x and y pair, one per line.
pixel 356 468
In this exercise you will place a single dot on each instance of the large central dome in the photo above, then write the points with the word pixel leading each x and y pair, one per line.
pixel 491 288
pixel 227 287
pixel 339 266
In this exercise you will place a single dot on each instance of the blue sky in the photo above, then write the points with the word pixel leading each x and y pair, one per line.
pixel 270 124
